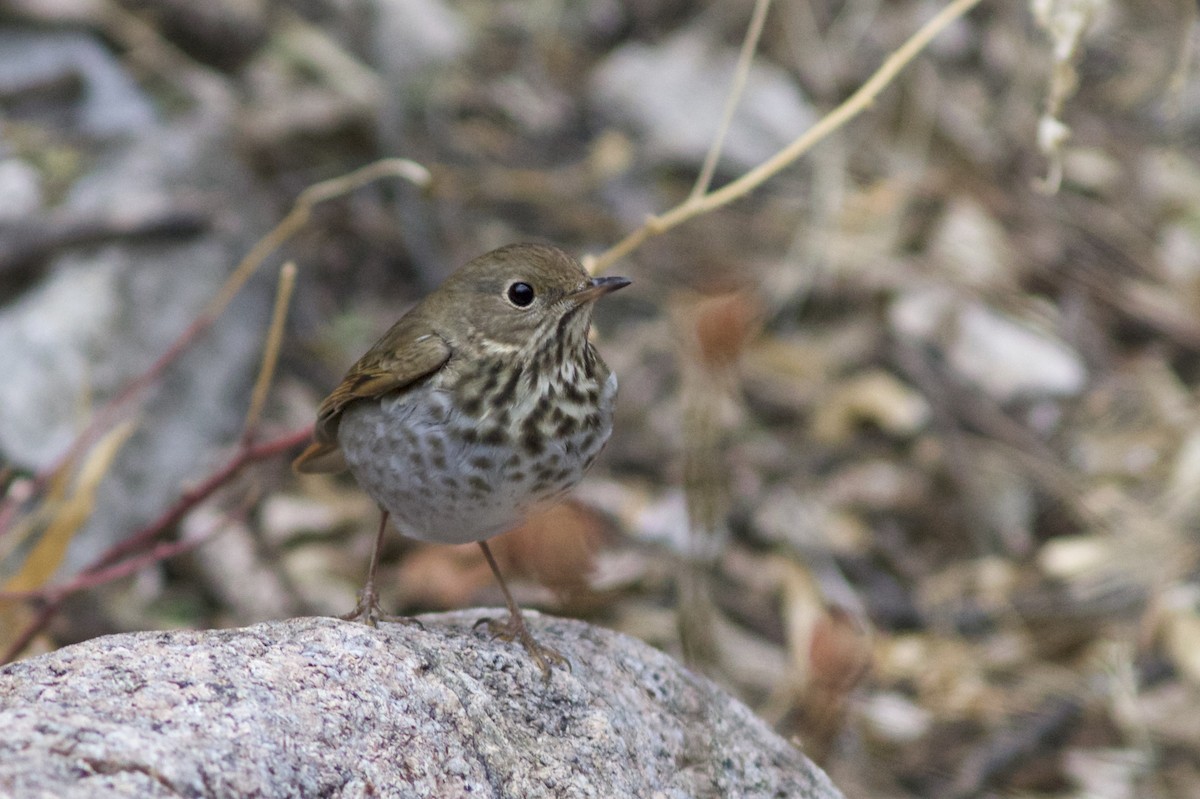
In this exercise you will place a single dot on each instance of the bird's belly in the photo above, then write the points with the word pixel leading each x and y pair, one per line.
pixel 444 479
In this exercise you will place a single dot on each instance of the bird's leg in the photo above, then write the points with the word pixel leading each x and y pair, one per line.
pixel 514 628
pixel 367 610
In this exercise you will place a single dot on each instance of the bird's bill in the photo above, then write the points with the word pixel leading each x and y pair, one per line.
pixel 598 287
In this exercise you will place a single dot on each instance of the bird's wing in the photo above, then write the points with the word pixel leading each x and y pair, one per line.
pixel 385 368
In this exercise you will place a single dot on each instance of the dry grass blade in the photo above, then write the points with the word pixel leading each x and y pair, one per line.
pixel 301 212
pixel 858 102
pixel 121 558
pixel 268 244
pixel 258 399
pixel 745 58
pixel 47 554
pixel 70 515
pixel 53 524
pixel 1066 24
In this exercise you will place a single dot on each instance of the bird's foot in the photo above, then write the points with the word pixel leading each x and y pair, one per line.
pixel 367 611
pixel 514 629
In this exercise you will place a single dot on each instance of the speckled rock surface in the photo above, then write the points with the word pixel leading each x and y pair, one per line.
pixel 321 707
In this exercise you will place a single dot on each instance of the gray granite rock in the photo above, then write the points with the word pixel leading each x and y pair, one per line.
pixel 320 707
pixel 102 312
pixel 109 100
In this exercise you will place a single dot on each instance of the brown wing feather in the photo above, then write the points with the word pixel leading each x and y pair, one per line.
pixel 397 361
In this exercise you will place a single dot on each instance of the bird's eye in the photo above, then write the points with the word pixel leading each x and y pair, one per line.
pixel 520 294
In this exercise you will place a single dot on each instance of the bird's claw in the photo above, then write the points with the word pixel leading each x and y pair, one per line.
pixel 514 629
pixel 368 611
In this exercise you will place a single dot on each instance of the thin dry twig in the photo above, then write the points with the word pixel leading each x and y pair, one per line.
pixel 852 107
pixel 24 243
pixel 1185 54
pixel 299 215
pixel 316 51
pixel 301 212
pixel 745 59
pixel 87 580
pixel 158 55
pixel 258 398
pixel 112 563
pixel 190 499
pixel 1066 23
pixel 118 562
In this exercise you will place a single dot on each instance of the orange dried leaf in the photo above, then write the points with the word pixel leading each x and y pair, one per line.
pixel 723 324
pixel 443 577
pixel 840 652
pixel 556 547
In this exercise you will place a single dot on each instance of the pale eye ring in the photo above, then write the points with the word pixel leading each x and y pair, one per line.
pixel 520 294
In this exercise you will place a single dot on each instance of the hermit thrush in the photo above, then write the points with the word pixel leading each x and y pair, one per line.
pixel 485 401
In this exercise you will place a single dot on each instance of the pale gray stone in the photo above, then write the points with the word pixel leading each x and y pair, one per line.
pixel 412 37
pixel 673 95
pixel 1002 355
pixel 101 314
pixel 20 189
pixel 321 707
pixel 111 104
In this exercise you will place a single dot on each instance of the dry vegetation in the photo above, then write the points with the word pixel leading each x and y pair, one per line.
pixel 907 450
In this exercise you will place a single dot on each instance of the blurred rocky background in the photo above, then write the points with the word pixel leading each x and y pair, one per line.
pixel 907 450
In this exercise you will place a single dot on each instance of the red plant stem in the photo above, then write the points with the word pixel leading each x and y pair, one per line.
pixel 32 629
pixel 109 566
pixel 193 497
pixel 57 595
pixel 107 415
pixel 90 577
